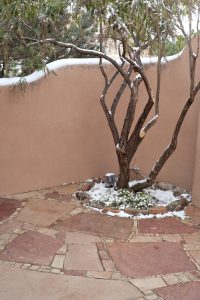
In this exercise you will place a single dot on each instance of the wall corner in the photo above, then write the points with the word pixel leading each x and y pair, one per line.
pixel 196 177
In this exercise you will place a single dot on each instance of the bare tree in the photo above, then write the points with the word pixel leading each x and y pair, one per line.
pixel 137 27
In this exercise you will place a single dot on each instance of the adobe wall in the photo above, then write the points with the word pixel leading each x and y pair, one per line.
pixel 56 132
pixel 196 178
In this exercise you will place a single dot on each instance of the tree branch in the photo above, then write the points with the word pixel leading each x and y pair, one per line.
pixel 81 51
pixel 120 92
pixel 171 147
pixel 108 114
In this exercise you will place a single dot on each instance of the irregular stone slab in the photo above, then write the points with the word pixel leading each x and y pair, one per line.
pixel 150 283
pixel 8 226
pixel 192 238
pixel 58 261
pixel 166 225
pixel 8 207
pixel 82 257
pixel 28 195
pixel 81 238
pixel 171 279
pixel 172 237
pixel 189 291
pixel 48 231
pixel 43 212
pixel 32 247
pixel 196 255
pixel 67 189
pixel 97 224
pixel 58 196
pixel 31 285
pixel 147 259
pixel 145 239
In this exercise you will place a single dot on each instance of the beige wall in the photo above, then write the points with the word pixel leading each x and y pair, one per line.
pixel 196 180
pixel 56 131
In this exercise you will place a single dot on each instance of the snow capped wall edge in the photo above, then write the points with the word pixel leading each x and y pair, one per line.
pixel 62 63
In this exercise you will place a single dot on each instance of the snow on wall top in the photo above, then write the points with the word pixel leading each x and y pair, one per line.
pixel 53 66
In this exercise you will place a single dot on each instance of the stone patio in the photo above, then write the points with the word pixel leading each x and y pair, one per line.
pixel 53 248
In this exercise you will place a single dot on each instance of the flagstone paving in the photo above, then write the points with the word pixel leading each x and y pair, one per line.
pixel 97 224
pixel 25 285
pixel 53 248
pixel 168 225
pixel 59 196
pixel 43 212
pixel 147 259
pixel 189 291
pixel 32 247
pixel 75 254
pixel 8 226
pixel 8 207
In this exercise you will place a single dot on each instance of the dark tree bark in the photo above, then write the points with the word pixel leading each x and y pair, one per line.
pixel 124 170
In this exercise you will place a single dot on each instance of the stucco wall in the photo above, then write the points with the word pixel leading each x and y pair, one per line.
pixel 56 132
pixel 196 178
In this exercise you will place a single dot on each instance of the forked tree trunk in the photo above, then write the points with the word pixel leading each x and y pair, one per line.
pixel 124 170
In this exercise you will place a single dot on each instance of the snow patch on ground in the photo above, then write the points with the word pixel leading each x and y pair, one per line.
pixel 164 197
pixel 107 195
pixel 134 182
pixel 100 193
pixel 122 214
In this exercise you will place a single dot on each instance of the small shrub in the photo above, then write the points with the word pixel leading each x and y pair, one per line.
pixel 128 199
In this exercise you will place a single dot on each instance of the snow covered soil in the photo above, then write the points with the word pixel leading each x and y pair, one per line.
pixel 162 198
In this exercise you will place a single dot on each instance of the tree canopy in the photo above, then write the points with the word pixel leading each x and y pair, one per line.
pixel 141 24
pixel 39 19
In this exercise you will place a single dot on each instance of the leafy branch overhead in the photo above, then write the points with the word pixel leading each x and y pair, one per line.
pixel 40 19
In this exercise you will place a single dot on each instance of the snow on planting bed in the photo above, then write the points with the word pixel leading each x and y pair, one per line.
pixel 122 202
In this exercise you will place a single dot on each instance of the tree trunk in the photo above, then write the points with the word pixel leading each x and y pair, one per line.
pixel 124 170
